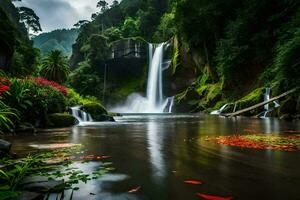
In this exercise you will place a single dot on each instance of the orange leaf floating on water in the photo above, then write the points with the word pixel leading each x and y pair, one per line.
pixel 211 197
pixel 92 157
pixel 104 157
pixel 194 182
pixel 134 189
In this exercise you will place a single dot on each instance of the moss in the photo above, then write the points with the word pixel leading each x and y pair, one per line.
pixel 129 87
pixel 59 120
pixel 96 110
pixel 175 56
pixel 214 91
pixel 251 99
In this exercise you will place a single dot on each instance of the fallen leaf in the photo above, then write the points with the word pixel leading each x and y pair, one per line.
pixel 134 189
pixel 211 197
pixel 194 182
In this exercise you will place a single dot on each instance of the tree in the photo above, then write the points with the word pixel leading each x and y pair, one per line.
pixel 114 4
pixel 130 27
pixel 80 23
pixel 55 67
pixel 103 5
pixel 30 19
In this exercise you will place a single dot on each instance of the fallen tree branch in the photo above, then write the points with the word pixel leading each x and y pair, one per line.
pixel 259 104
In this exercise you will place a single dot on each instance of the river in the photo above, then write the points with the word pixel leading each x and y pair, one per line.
pixel 160 152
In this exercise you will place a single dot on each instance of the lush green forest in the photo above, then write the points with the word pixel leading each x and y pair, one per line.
pixel 222 43
pixel 229 50
pixel 63 93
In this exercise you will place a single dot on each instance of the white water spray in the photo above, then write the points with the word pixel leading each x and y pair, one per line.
pixel 154 102
pixel 218 112
pixel 81 115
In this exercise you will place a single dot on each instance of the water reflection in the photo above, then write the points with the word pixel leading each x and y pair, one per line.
pixel 155 146
pixel 146 150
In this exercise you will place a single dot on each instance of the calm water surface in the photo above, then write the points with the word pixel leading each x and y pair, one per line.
pixel 159 152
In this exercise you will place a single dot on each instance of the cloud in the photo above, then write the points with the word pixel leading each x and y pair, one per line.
pixel 57 14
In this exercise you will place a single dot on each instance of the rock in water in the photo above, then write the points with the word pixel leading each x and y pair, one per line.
pixel 5 146
pixel 30 196
pixel 42 184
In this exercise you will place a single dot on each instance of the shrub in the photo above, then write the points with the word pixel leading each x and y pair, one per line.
pixel 7 115
pixel 33 101
pixel 53 84
pixel 59 120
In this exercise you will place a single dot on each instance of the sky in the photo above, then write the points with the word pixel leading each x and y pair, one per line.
pixel 57 14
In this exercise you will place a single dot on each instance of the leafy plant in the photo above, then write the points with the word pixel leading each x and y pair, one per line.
pixel 55 67
pixel 7 115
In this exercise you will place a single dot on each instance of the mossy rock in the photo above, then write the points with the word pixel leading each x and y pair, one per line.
pixel 97 111
pixel 60 120
pixel 254 97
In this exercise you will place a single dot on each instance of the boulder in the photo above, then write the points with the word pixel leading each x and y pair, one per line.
pixel 42 184
pixel 30 196
pixel 98 112
pixel 60 120
pixel 5 146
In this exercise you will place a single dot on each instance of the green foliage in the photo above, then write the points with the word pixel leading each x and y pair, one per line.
pixel 60 120
pixel 130 27
pixel 167 27
pixel 19 55
pixel 7 117
pixel 33 101
pixel 254 97
pixel 24 60
pixel 7 34
pixel 55 67
pixel 83 78
pixel 113 34
pixel 287 61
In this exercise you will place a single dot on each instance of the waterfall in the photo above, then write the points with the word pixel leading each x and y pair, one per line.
pixel 81 115
pixel 267 109
pixel 154 102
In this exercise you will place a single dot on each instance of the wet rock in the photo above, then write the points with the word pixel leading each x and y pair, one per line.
pixel 30 196
pixel 42 184
pixel 5 146
pixel 106 118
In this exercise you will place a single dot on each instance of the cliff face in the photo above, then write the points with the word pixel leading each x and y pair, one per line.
pixel 125 69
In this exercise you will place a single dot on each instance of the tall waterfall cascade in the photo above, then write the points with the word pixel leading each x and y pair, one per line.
pixel 81 115
pixel 154 101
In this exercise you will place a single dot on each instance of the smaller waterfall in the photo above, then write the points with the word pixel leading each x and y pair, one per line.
pixel 217 112
pixel 171 103
pixel 267 109
pixel 81 115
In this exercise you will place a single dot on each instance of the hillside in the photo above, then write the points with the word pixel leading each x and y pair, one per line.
pixel 57 39
pixel 218 45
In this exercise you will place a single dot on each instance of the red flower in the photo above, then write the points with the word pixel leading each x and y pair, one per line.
pixel 3 88
pixel 53 84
